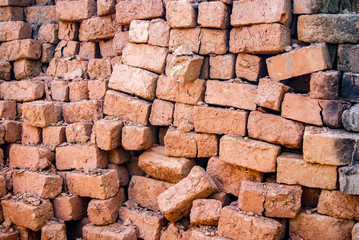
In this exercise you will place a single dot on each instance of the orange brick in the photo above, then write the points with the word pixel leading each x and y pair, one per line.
pixel 82 111
pixel 80 156
pixel 120 41
pixel 205 212
pixel 54 135
pixel 48 51
pixel 59 91
pixel 68 30
pixel 19 49
pixel 159 33
pixel 118 156
pixel 39 114
pixel 106 49
pixel 105 7
pixel 116 231
pixel 221 66
pixel 292 169
pixel 25 68
pixel 259 39
pixel 14 30
pixel 139 31
pixel 88 50
pixel 48 33
pixel 155 163
pixel 73 11
pixel 213 41
pixel 99 68
pixel 180 14
pixel 98 183
pixel 30 134
pixel 228 177
pixel 107 134
pixel 9 235
pixel 184 68
pixel 78 132
pixel 65 49
pixel 213 14
pixel 5 68
pixel 97 88
pixel 188 38
pixel 137 137
pixel 24 90
pixel 253 154
pixel 174 206
pixel 12 131
pixel 325 84
pixel 161 113
pixel 11 14
pixel 97 28
pixel 29 157
pixel 126 107
pixel 122 173
pixel 69 207
pixel 183 117
pixel 53 230
pixel 270 94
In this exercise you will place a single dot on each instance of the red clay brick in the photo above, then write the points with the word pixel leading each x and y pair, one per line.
pixel 73 11
pixel 78 90
pixel 270 94
pixel 236 224
pixel 175 203
pixel 178 230
pixel 59 90
pixel 97 28
pixel 190 145
pixel 227 94
pixel 303 61
pixel 53 230
pixel 120 41
pixel 54 135
pixel 24 90
pixel 188 38
pixel 11 14
pixel 98 183
pixel 9 235
pixel 14 30
pixel 118 156
pixel 31 212
pixel 38 15
pixel 147 223
pixel 253 154
pixel 78 132
pixel 180 14
pixel 107 134
pixel 205 212
pixel 292 169
pixel 48 51
pixel 325 84
pixel 19 49
pixel 184 68
pixel 29 157
pixel 39 114
pixel 213 14
pixel 44 185
pixel 30 134
pixel 105 7
pixel 219 120
pixel 25 68
pixel 161 113
pixel 315 226
pixel 82 111
pixel 88 50
pixel 259 39
pixel 133 81
pixel 5 69
pixel 99 68
pixel 3 190
pixel 12 131
pixel 222 66
pixel 156 164
pixel 275 129
pixel 213 41
pixel 69 207
pixel 126 107
pixel 137 137
pixel 228 177
pixel 183 117
pixel 68 30
pixel 48 33
pixel 139 31
pixel 116 231
pixel 122 173
pixel 97 88
pixel 259 11
pixel 67 49
pixel 159 33
pixel 145 191
pixel 80 156
pixel 302 108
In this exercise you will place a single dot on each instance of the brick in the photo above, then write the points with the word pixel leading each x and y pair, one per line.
pixel 3 190
pixel 139 31
pixel 171 90
pixel 97 28
pixel 183 116
pixel 219 120
pixel 190 145
pixel 147 223
pixel 120 41
pixel 73 11
pixel 59 90
pixel 306 7
pixel 329 147
pixel 270 199
pixel 108 134
pixel 30 134
pixel 308 112
pixel 7 109
pixel 237 224
pixel 80 156
pixel 355 232
pixel 54 135
pixel 69 207
pixel 205 234
pixel 315 226
pixel 347 61
pixel 178 230
pixel 5 68
pixel 115 231
pixel 156 164
pixel 53 230
pixel 338 204
pixel 348 179
pixel 292 169
pixel 187 38
pixel 213 15
pixel 2 134
pixel 329 28
pixel 231 94
pixel 228 177
pixel 44 185
pixel 126 11
pixel 213 41
pixel 350 87
pixel 31 213
pixel 205 212
pixel 97 88
pixel 118 156
pixel 88 50
pixel 332 112
pixel 256 12
pixel 9 235
pixel 82 111
pixel 39 113
pixel 134 81
pixel 184 68
pixel 222 66
pixel 122 172
pixel 98 183
pixel 126 107
pixel 350 119
pixel 48 51
pixel 99 68
pixel 48 33
pixel 137 137
pixel 256 155
pixel 26 233
pixel 14 30
pixel 259 39
pixel 275 129
pixel 180 14
pixel 12 131
pixel 104 212
pixel 249 67
pixel 161 113
pixel 325 85
pixel 303 61
pixel 38 15
pixel 68 30
pixel 175 206
pixel 11 14
pixel 25 68
pixel 106 48
pixel 159 33
pixel 145 191
pixel 19 49
pixel 143 55
pixel 67 49
pixel 22 3
pixel 105 7
pixel 78 132
pixel 270 94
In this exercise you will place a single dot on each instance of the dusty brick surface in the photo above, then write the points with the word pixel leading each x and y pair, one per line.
pixel 14 30
pixel 11 14
pixel 29 157
pixel 108 134
pixel 53 229
pixel 139 31
pixel 78 132
pixel 213 14
pixel 205 212
pixel 116 231
pixel 185 37
pixel 19 49
pixel 24 90
pixel 69 207
pixel 180 14
pixel 137 137
pixel 82 111
pixel 270 94
pixel 97 28
pixel 222 66
pixel 161 113
pixel 75 10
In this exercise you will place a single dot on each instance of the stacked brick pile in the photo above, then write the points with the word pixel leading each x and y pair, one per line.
pixel 183 120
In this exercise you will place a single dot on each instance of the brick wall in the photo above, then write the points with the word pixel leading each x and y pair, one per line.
pixel 186 120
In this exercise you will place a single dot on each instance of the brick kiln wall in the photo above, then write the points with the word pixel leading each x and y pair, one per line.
pixel 183 120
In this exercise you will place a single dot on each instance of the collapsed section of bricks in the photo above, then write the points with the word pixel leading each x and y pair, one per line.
pixel 192 120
